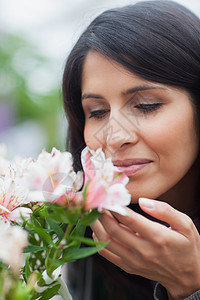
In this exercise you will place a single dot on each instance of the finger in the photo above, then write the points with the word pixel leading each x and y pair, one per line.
pixel 124 233
pixel 114 258
pixel 141 226
pixel 120 239
pixel 177 220
pixel 115 247
pixel 101 234
pixel 99 231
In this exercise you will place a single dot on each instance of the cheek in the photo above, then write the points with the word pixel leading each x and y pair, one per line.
pixel 91 137
pixel 175 142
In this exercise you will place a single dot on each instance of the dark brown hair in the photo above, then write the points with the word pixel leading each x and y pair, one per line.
pixel 158 40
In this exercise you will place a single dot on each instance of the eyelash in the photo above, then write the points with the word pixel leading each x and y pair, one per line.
pixel 148 108
pixel 145 108
pixel 98 114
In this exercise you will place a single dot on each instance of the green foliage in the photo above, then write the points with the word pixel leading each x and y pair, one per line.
pixel 11 287
pixel 19 60
pixel 56 236
pixel 52 291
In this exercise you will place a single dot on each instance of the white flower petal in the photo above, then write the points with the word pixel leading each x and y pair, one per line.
pixel 48 280
pixel 39 289
pixel 16 214
pixel 55 275
pixel 119 194
pixel 116 208
pixel 4 208
pixel 36 196
pixel 13 241
pixel 78 181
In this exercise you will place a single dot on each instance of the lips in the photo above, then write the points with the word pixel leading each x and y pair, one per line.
pixel 131 166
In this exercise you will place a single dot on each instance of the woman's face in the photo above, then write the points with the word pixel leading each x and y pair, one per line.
pixel 148 129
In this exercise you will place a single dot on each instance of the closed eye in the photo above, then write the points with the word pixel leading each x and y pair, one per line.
pixel 98 114
pixel 148 107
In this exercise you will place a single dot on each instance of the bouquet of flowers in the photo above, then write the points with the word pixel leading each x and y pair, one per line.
pixel 45 207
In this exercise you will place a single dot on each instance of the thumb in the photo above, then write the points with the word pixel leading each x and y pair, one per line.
pixel 162 211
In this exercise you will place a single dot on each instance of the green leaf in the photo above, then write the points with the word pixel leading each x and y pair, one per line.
pixel 56 228
pixel 74 254
pixel 45 236
pixel 33 248
pixel 79 230
pixel 86 241
pixel 85 190
pixel 56 213
pixel 50 292
pixel 54 263
pixel 35 220
pixel 27 270
pixel 90 217
pixel 73 215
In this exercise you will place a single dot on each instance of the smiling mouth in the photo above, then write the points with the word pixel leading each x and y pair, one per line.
pixel 130 167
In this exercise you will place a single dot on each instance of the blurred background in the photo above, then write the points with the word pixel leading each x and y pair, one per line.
pixel 35 39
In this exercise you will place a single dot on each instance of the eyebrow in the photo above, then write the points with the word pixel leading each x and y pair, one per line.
pixel 89 96
pixel 142 88
pixel 128 92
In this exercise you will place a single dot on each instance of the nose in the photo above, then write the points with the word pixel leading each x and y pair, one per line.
pixel 119 133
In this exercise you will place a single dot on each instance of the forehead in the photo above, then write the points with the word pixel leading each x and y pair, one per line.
pixel 100 70
pixel 95 61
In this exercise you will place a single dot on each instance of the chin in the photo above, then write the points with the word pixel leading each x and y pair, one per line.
pixel 134 199
pixel 135 196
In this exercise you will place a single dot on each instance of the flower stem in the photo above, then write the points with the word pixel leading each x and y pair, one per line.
pixel 68 231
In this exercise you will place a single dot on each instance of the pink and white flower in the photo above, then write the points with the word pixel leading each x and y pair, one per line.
pixel 105 184
pixel 95 164
pixel 102 195
pixel 12 197
pixel 70 199
pixel 52 175
pixel 13 240
pixel 20 167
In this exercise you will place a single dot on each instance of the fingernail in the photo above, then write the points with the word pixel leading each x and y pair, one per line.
pixel 145 202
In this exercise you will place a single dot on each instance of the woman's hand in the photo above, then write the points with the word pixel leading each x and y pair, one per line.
pixel 170 255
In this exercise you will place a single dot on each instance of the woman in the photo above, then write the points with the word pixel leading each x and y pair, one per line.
pixel 131 86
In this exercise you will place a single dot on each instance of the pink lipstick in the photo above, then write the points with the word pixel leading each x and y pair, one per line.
pixel 131 166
